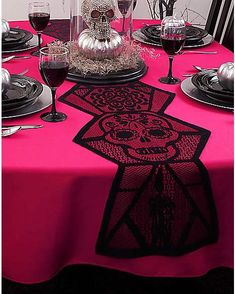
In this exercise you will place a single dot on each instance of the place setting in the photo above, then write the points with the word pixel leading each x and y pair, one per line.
pixel 214 87
pixel 16 39
pixel 195 37
pixel 22 95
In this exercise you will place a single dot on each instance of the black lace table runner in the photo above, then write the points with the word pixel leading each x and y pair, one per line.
pixel 59 29
pixel 161 201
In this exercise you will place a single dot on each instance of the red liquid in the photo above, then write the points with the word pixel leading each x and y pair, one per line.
pixel 54 73
pixel 172 46
pixel 124 6
pixel 39 20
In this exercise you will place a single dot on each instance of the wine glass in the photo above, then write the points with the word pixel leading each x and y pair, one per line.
pixel 54 66
pixel 39 16
pixel 173 34
pixel 123 6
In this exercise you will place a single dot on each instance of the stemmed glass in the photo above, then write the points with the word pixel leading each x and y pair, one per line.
pixel 39 16
pixel 173 34
pixel 54 66
pixel 123 6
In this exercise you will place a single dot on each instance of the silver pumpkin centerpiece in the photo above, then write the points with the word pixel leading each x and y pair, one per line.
pixel 99 40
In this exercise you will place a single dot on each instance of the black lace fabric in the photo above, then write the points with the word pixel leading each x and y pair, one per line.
pixel 161 200
pixel 59 29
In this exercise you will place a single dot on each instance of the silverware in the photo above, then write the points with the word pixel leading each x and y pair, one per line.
pixel 23 72
pixel 198 52
pixel 203 69
pixel 23 127
pixel 10 131
pixel 8 58
pixel 187 75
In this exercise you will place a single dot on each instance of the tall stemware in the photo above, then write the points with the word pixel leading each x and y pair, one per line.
pixel 173 35
pixel 39 16
pixel 54 66
pixel 123 6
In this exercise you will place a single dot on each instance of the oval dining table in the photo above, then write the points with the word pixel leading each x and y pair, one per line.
pixel 54 191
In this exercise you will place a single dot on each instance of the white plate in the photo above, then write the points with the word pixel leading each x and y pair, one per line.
pixel 44 100
pixel 191 91
pixel 32 43
pixel 139 36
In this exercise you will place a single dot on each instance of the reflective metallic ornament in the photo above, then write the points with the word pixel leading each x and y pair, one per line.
pixel 100 49
pixel 225 75
pixel 5 28
pixel 6 80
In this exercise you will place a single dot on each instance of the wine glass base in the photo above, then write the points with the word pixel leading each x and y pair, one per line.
pixel 53 117
pixel 170 81
pixel 35 53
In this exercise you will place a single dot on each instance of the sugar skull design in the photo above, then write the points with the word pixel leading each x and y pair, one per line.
pixel 160 201
pixel 99 40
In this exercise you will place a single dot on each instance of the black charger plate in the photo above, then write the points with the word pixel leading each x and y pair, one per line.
pixel 21 37
pixel 193 92
pixel 122 76
pixel 140 37
pixel 193 34
pixel 24 91
pixel 223 95
pixel 211 81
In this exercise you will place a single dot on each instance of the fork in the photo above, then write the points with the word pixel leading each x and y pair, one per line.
pixel 8 58
pixel 198 52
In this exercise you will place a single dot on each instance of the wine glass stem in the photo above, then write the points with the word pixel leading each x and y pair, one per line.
pixel 123 23
pixel 170 67
pixel 53 94
pixel 39 41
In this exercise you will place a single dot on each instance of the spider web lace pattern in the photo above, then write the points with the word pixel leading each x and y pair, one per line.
pixel 161 201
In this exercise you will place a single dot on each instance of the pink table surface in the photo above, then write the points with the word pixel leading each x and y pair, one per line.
pixel 54 191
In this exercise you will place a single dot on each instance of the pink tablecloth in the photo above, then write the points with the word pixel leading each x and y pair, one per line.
pixel 54 191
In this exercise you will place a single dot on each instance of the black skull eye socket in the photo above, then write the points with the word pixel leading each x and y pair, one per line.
pixel 124 135
pixel 157 133
pixel 95 14
pixel 109 13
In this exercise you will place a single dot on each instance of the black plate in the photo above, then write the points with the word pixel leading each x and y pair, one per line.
pixel 193 34
pixel 21 37
pixel 24 91
pixel 140 37
pixel 193 92
pixel 211 81
pixel 122 76
pixel 197 82
pixel 13 36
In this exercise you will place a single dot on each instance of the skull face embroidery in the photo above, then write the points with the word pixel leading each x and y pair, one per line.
pixel 98 15
pixel 152 132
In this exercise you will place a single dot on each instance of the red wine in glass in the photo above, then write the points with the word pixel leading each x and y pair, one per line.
pixel 174 45
pixel 39 16
pixel 39 21
pixel 173 35
pixel 123 6
pixel 54 73
pixel 54 67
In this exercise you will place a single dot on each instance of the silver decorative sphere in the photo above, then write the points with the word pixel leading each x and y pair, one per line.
pixel 225 75
pixel 5 28
pixel 100 49
pixel 6 80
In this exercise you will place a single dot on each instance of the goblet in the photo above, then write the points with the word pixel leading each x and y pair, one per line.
pixel 123 6
pixel 173 34
pixel 54 66
pixel 39 16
